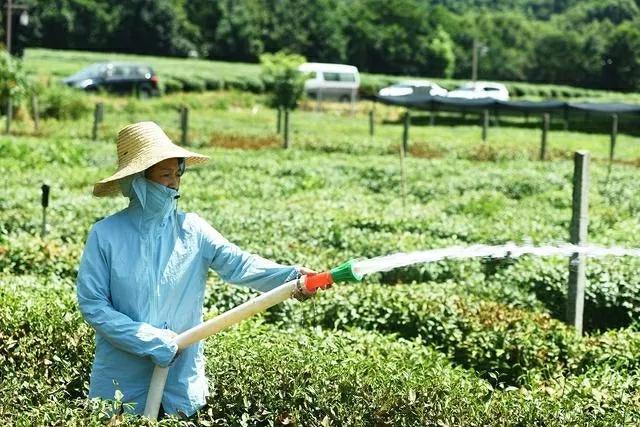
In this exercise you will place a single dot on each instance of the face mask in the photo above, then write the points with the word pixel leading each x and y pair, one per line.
pixel 153 197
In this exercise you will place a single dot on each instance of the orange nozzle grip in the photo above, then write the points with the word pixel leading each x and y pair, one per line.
pixel 313 281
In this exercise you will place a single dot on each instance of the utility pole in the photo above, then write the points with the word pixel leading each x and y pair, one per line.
pixel 24 20
pixel 8 43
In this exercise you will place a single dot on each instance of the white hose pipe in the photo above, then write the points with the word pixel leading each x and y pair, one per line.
pixel 213 326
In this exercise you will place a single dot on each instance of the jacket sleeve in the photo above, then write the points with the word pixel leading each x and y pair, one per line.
pixel 243 268
pixel 94 300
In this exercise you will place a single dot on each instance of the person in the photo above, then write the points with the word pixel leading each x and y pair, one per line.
pixel 142 276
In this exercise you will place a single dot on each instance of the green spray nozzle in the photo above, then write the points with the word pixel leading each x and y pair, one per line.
pixel 345 273
pixel 342 273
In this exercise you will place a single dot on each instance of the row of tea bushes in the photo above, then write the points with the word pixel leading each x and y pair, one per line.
pixel 515 345
pixel 265 374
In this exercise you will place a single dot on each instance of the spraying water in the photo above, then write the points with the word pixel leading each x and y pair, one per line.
pixel 389 262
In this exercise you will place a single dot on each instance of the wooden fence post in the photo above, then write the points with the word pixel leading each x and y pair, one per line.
pixel 286 128
pixel 279 124
pixel 98 116
pixel 184 125
pixel 45 204
pixel 485 124
pixel 36 112
pixel 545 132
pixel 403 179
pixel 578 234
pixel 371 122
pixel 405 132
pixel 7 128
pixel 612 144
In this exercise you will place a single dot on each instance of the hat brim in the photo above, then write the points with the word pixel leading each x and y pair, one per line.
pixel 110 186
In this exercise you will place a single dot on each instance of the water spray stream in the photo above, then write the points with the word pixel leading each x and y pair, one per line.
pixel 509 250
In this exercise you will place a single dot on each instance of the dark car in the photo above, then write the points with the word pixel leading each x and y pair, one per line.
pixel 117 77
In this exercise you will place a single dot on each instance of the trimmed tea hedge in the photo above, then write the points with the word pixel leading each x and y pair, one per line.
pixel 267 375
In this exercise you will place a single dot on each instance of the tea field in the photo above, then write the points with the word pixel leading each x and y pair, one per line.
pixel 475 342
pixel 196 75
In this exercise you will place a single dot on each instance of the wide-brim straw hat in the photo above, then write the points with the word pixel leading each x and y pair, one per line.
pixel 140 146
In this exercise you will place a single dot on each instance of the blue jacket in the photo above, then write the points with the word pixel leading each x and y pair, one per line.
pixel 142 274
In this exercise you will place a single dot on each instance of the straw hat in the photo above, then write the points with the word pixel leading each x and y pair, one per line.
pixel 140 146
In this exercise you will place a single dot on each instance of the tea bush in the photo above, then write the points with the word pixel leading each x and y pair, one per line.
pixel 262 374
pixel 612 294
pixel 61 102
pixel 513 344
pixel 488 337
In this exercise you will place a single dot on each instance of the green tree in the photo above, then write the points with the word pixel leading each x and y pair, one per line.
pixel 505 40
pixel 556 58
pixel 570 57
pixel 13 80
pixel 440 57
pixel 621 69
pixel 248 28
pixel 615 11
pixel 205 15
pixel 280 74
pixel 64 24
pixel 238 36
pixel 313 29
pixel 156 27
pixel 399 37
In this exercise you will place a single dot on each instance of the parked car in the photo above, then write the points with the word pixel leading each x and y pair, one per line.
pixel 331 81
pixel 479 90
pixel 116 77
pixel 413 87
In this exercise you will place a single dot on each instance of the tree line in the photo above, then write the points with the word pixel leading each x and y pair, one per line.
pixel 589 43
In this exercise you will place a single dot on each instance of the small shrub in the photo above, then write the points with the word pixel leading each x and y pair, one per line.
pixel 63 103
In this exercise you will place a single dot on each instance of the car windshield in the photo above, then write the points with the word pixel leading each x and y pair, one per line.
pixel 89 72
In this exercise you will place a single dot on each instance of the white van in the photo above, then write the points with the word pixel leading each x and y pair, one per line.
pixel 331 81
